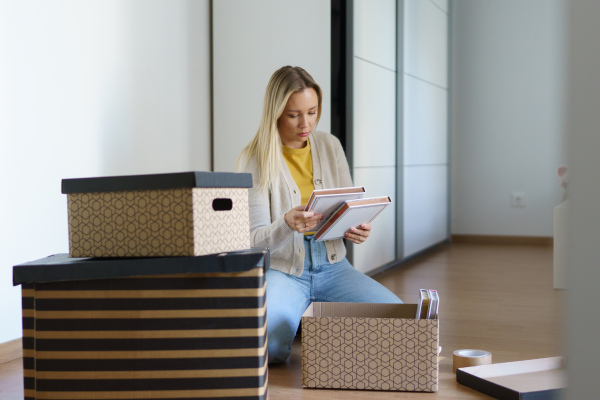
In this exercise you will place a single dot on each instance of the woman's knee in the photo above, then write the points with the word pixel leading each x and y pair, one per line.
pixel 279 350
pixel 281 329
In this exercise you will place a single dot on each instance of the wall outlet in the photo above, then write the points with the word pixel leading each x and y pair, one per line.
pixel 517 199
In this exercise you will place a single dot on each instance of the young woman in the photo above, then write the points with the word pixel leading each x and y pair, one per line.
pixel 288 159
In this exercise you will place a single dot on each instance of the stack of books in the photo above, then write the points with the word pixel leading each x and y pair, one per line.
pixel 429 303
pixel 343 208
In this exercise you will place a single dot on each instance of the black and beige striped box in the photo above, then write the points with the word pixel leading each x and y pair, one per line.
pixel 178 214
pixel 154 328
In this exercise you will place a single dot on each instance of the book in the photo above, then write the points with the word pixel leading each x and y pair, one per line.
pixel 423 305
pixel 335 191
pixel 428 306
pixel 434 302
pixel 327 201
pixel 350 214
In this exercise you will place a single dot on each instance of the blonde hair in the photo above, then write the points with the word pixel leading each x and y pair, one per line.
pixel 266 145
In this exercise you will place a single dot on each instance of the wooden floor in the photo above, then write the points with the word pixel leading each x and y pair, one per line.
pixel 497 298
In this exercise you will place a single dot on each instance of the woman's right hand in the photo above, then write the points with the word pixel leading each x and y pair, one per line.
pixel 302 221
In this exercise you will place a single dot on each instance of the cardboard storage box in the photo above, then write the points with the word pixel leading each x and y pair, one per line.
pixel 145 328
pixel 540 379
pixel 369 346
pixel 180 214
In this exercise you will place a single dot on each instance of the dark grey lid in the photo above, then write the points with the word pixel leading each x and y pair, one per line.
pixel 157 181
pixel 61 267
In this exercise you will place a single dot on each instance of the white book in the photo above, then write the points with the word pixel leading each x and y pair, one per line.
pixel 351 214
pixel 327 201
pixel 423 304
pixel 434 303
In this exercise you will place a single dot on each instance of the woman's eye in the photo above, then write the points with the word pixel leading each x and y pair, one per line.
pixel 293 116
pixel 312 113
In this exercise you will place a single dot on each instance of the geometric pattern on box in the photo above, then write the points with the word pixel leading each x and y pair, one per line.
pixel 155 223
pixel 164 337
pixel 217 231
pixel 370 353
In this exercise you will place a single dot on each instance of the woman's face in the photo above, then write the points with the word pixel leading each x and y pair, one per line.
pixel 298 118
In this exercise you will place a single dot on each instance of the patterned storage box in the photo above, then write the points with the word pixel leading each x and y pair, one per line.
pixel 369 346
pixel 155 328
pixel 181 214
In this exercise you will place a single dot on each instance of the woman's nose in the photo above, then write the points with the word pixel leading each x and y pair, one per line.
pixel 304 121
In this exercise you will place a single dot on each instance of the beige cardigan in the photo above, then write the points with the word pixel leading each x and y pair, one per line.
pixel 267 208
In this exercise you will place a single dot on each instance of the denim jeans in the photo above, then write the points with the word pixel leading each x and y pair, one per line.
pixel 288 296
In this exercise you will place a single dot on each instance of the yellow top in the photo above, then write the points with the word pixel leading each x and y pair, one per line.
pixel 299 161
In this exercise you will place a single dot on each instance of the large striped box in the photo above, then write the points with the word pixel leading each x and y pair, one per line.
pixel 177 214
pixel 152 328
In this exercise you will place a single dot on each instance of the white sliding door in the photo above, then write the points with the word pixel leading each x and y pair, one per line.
pixel 425 125
pixel 374 122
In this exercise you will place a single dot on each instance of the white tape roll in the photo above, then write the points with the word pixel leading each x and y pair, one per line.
pixel 470 358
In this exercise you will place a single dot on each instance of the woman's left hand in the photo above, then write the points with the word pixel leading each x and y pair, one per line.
pixel 359 234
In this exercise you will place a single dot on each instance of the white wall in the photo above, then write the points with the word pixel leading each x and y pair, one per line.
pixel 252 39
pixel 506 119
pixel 374 123
pixel 90 89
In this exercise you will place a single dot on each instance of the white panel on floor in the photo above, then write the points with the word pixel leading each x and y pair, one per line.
pixel 380 248
pixel 251 40
pixel 426 42
pixel 425 207
pixel 374 115
pixel 425 123
pixel 375 31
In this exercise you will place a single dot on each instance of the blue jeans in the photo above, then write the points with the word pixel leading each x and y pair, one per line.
pixel 288 296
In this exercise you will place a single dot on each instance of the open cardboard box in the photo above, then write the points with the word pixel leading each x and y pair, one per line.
pixel 540 379
pixel 369 346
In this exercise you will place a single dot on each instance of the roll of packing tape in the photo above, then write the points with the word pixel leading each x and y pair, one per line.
pixel 470 358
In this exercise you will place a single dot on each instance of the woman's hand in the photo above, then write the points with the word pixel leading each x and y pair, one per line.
pixel 359 234
pixel 302 221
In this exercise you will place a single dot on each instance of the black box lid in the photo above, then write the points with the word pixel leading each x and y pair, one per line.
pixel 481 378
pixel 157 181
pixel 60 267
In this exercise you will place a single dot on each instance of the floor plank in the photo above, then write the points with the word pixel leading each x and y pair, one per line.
pixel 498 298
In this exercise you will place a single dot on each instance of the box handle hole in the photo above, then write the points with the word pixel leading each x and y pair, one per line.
pixel 222 204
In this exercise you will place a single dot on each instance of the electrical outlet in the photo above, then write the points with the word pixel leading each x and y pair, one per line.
pixel 517 199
